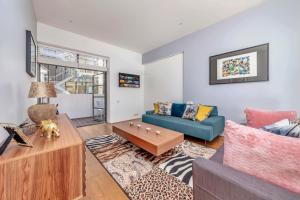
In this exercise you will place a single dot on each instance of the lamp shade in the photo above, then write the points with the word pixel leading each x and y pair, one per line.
pixel 42 90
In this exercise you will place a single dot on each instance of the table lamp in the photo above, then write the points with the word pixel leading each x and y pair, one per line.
pixel 42 111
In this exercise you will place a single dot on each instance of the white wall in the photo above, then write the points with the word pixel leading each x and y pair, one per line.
pixel 164 81
pixel 16 16
pixel 76 105
pixel 123 103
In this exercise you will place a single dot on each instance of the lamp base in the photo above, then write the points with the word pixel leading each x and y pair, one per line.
pixel 40 112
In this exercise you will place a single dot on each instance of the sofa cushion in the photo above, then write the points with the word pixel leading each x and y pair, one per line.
pixel 156 107
pixel 214 111
pixel 271 157
pixel 295 132
pixel 282 127
pixel 259 118
pixel 178 109
pixel 203 112
pixel 165 108
pixel 190 111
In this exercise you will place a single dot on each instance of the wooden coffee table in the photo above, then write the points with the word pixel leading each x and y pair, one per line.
pixel 150 141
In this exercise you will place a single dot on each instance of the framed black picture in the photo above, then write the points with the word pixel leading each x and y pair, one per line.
pixel 129 80
pixel 244 65
pixel 31 52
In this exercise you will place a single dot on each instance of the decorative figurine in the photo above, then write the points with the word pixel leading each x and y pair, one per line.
pixel 49 128
pixel 148 130
pixel 157 132
pixel 130 123
pixel 138 126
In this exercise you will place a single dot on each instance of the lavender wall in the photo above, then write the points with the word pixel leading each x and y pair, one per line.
pixel 275 22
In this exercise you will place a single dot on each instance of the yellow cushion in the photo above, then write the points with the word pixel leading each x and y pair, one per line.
pixel 156 108
pixel 203 112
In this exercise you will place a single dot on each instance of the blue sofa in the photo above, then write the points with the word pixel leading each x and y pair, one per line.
pixel 206 130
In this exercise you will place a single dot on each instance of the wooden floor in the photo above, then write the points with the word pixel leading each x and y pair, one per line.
pixel 99 184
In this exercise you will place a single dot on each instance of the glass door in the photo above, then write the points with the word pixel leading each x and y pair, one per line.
pixel 99 96
pixel 75 81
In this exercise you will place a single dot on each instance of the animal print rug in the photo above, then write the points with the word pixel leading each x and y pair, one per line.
pixel 144 176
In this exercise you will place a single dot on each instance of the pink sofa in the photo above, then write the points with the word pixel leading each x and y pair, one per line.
pixel 213 180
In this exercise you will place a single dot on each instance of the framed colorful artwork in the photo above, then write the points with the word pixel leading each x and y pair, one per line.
pixel 245 65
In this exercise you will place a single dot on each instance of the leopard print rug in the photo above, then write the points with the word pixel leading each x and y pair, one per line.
pixel 144 176
pixel 157 185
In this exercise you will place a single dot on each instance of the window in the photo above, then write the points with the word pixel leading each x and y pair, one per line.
pixel 56 53
pixel 70 87
pixel 90 60
pixel 70 80
pixel 72 72
pixel 44 76
pixel 68 58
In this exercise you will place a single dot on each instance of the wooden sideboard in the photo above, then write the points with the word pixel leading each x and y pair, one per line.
pixel 52 169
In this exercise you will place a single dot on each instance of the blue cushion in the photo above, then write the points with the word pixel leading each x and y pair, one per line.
pixel 178 109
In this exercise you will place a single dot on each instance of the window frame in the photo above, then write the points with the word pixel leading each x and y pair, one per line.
pixel 76 64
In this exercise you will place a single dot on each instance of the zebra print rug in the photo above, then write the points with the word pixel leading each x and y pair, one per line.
pixel 179 166
pixel 137 171
pixel 100 141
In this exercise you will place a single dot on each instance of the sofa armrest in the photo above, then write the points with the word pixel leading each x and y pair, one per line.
pixel 150 112
pixel 217 122
pixel 213 181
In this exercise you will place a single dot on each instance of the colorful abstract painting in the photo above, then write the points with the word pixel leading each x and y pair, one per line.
pixel 236 66
pixel 240 66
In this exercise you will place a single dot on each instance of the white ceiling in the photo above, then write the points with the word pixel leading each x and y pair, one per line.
pixel 138 25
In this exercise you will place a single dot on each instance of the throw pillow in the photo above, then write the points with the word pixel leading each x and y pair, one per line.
pixel 190 111
pixel 178 109
pixel 203 112
pixel 259 118
pixel 284 128
pixel 214 111
pixel 156 108
pixel 295 132
pixel 165 108
pixel 271 157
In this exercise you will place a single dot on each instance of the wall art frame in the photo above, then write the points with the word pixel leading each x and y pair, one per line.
pixel 31 54
pixel 241 66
